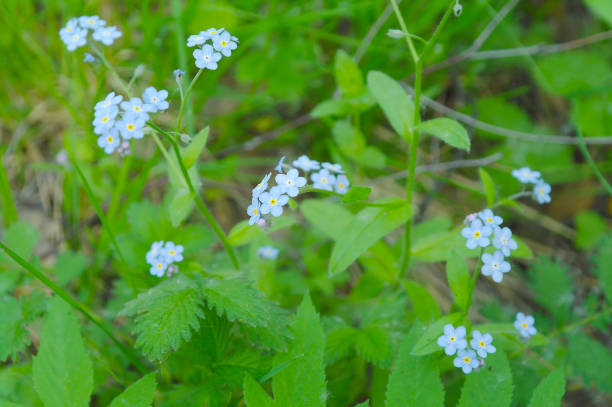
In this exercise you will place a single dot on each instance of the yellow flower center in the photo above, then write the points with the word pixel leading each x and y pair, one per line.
pixel 452 339
pixel 75 37
pixel 110 139
pixel 154 99
pixel 171 252
pixel 137 108
pixel 524 325
pixel 159 265
pixel 489 220
pixel 341 185
pixel 130 127
pixel 467 359
pixel 224 43
pixel 105 119
pixel 323 180
pixel 541 191
pixel 68 29
pixel 477 234
pixel 482 344
pixel 255 211
pixel 272 201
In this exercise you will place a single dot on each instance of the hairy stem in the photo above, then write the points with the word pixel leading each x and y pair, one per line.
pixel 184 100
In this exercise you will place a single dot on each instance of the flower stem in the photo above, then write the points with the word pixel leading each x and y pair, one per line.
pixel 108 66
pixel 472 285
pixel 184 100
pixel 198 200
pixel 587 156
pixel 75 304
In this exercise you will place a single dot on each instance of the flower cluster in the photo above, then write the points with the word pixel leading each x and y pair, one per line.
pixel 74 33
pixel 135 112
pixel 453 341
pixel 162 256
pixel 481 227
pixel 541 190
pixel 330 176
pixel 268 252
pixel 207 55
pixel 524 324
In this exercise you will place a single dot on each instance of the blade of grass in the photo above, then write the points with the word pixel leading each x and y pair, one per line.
pixel 9 210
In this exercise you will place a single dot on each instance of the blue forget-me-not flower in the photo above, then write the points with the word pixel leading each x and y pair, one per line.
pixel 131 126
pixel 467 361
pixel 541 192
pixel 453 339
pixel 279 166
pixel 323 180
pixel 482 343
pixel 290 182
pixel 495 266
pixel 477 234
pixel 254 211
pixel 272 203
pixel 503 241
pixel 224 44
pixel 173 253
pixel 490 219
pixel 524 324
pixel 137 108
pixel 91 22
pixel 109 141
pixel 268 252
pixel 526 176
pixel 306 164
pixel 335 168
pixel 88 58
pixel 262 186
pixel 162 255
pixel 155 98
pixel 106 35
pixel 206 57
pixel 74 33
pixel 342 184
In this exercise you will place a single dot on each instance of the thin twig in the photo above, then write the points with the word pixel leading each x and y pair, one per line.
pixel 589 159
pixel 502 131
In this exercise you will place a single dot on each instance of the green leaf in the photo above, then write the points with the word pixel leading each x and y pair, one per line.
pixel 603 265
pixel 368 226
pixel 448 130
pixel 364 404
pixel 602 9
pixel 489 386
pixel 180 205
pixel 349 139
pixel 424 304
pixel 165 316
pixel 414 380
pixel 242 233
pixel 356 193
pixel 394 101
pixel 458 277
pixel 590 360
pixel 21 237
pixel 327 217
pixel 139 394
pixel 275 334
pixel 302 382
pixel 69 266
pixel 339 342
pixel 374 345
pixel 550 390
pixel 427 342
pixel 191 153
pixel 488 185
pixel 343 107
pixel 552 287
pixel 590 228
pixel 254 395
pixel 14 338
pixel 348 75
pixel 63 374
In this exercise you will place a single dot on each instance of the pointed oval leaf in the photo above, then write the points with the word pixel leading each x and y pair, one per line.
pixel 394 101
pixel 447 130
pixel 138 394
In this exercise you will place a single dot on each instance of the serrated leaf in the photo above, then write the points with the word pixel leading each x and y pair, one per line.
pixel 490 385
pixel 191 153
pixel 254 395
pixel 414 380
pixel 302 382
pixel 591 361
pixel 427 342
pixel 394 101
pixel 138 394
pixel 339 342
pixel 275 334
pixel 238 300
pixel 550 390
pixel 348 75
pixel 488 186
pixel 356 193
pixel 552 287
pixel 590 228
pixel 62 370
pixel 448 130
pixel 328 217
pixel 374 345
pixel 21 237
pixel 14 338
pixel 603 265
pixel 458 277
pixel 368 226
pixel 165 316
pixel 424 304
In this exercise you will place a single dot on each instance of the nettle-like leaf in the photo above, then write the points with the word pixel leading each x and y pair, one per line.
pixel 166 315
pixel 302 382
pixel 424 305
pixel 63 373
pixel 490 385
pixel 254 395
pixel 414 380
pixel 603 267
pixel 552 287
pixel 138 394
pixel 275 334
pixel 14 338
pixel 550 390
pixel 394 101
pixel 374 345
pixel 590 360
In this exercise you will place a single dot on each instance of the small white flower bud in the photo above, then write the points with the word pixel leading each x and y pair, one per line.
pixel 394 33
pixel 458 9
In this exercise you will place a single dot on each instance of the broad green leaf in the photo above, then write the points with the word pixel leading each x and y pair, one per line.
pixel 488 185
pixel 427 342
pixel 603 265
pixel 191 153
pixel 424 304
pixel 275 334
pixel 14 338
pixel 368 226
pixel 489 386
pixel 327 217
pixel 394 101
pixel 302 382
pixel 356 193
pixel 180 205
pixel 348 75
pixel 139 394
pixel 414 380
pixel 349 139
pixel 69 266
pixel 254 395
pixel 165 316
pixel 590 227
pixel 550 390
pixel 371 157
pixel 21 237
pixel 339 342
pixel 590 113
pixel 374 345
pixel 448 130
pixel 63 374
pixel 552 286
pixel 601 8
pixel 590 360
pixel 458 277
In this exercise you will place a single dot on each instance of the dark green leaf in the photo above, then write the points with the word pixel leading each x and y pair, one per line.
pixel 191 153
pixel 489 386
pixel 139 394
pixel 550 390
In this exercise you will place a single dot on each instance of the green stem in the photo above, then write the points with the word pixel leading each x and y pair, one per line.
pixel 118 190
pixel 75 304
pixel 472 285
pixel 171 162
pixel 407 35
pixel 108 66
pixel 589 158
pixel 198 200
pixel 184 100
pixel 98 209
pixel 583 321
pixel 9 210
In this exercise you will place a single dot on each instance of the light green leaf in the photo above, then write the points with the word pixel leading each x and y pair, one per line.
pixel 165 316
pixel 348 75
pixel 552 286
pixel 139 394
pixel 63 374
pixel 427 342
pixel 327 217
pixel 339 343
pixel 191 153
pixel 424 304
pixel 601 8
pixel 349 139
pixel 368 226
pixel 414 380
pixel 302 382
pixel 603 265
pixel 21 237
pixel 343 107
pixel 550 390
pixel 448 130
pixel 374 345
pixel 491 386
pixel 458 277
pixel 590 227
pixel 254 395
pixel 590 360
pixel 14 338
pixel 356 193
pixel 488 185
pixel 180 205
pixel 69 266
pixel 394 101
